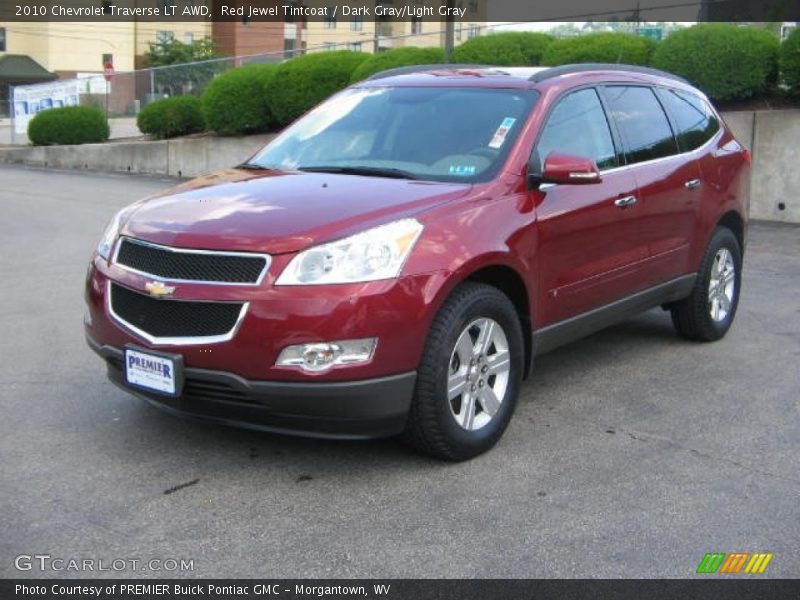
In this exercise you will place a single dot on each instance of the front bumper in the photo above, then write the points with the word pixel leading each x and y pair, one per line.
pixel 369 408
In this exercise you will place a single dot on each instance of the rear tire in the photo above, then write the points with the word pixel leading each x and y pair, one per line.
pixel 707 314
pixel 469 376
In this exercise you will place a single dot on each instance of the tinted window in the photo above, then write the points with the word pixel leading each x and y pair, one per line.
pixel 696 123
pixel 578 126
pixel 642 123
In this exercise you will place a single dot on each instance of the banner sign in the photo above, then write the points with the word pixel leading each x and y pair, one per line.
pixel 29 100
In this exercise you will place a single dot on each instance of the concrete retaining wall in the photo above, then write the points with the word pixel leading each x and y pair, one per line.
pixel 773 137
pixel 189 157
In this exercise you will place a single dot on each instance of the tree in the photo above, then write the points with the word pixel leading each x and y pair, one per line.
pixel 180 68
pixel 173 52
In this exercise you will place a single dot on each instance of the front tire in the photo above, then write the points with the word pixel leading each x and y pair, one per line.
pixel 708 313
pixel 469 377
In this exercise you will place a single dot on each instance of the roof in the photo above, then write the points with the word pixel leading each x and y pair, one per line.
pixel 19 68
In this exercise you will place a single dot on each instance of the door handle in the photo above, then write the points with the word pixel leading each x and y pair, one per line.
pixel 626 201
pixel 693 183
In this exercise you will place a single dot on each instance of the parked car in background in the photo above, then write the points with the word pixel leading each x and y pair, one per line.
pixel 394 260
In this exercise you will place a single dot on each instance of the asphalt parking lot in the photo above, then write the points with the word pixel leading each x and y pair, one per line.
pixel 632 453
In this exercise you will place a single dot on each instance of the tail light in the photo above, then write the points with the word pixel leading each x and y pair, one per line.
pixel 748 158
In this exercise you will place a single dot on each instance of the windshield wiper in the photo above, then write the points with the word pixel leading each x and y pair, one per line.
pixel 369 171
pixel 254 167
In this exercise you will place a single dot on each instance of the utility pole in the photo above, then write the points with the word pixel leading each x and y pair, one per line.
pixel 449 31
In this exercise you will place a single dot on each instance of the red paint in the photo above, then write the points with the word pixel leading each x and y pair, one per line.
pixel 572 246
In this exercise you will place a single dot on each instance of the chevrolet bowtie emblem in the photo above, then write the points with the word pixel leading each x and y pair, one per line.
pixel 158 290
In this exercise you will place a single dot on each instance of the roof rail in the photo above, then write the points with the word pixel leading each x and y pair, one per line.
pixel 580 68
pixel 423 68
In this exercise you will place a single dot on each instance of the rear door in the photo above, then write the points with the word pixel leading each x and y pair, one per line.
pixel 589 248
pixel 667 181
pixel 697 127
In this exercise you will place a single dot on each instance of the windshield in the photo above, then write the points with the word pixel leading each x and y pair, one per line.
pixel 438 134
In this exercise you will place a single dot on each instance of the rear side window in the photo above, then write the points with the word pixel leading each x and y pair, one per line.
pixel 642 123
pixel 578 126
pixel 695 122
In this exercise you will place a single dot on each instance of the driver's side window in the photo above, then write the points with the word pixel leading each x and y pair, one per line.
pixel 578 126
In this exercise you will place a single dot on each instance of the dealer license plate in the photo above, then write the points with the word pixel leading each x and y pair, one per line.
pixel 157 372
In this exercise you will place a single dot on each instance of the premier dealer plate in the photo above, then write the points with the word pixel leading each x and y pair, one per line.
pixel 154 371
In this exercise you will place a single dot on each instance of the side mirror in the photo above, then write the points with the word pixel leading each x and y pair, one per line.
pixel 569 169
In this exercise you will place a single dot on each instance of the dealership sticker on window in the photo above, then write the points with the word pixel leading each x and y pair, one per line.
pixel 464 170
pixel 501 133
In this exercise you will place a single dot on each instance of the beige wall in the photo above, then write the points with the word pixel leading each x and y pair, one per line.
pixel 318 34
pixel 68 48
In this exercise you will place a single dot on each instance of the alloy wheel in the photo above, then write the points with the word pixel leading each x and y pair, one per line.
pixel 478 374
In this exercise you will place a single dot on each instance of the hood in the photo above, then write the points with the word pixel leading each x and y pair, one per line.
pixel 277 211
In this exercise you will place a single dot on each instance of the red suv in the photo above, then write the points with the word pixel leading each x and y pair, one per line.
pixel 393 261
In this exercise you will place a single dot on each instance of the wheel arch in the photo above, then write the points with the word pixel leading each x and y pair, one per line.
pixel 509 281
pixel 733 220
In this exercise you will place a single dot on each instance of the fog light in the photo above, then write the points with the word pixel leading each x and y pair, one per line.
pixel 324 355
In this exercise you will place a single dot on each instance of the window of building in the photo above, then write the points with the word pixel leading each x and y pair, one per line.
pixel 162 37
pixel 2 39
pixel 188 37
pixel 578 126
pixel 329 46
pixel 787 29
pixel 473 6
pixel 416 25
pixel 458 32
pixel 330 22
pixel 288 48
pixel 357 24
pixel 473 31
pixel 642 123
pixel 354 46
pixel 695 122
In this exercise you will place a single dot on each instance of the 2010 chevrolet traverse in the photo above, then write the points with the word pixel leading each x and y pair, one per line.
pixel 392 262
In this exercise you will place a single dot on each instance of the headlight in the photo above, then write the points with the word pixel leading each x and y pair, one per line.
pixel 111 233
pixel 377 253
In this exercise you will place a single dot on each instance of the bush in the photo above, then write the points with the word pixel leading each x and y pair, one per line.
pixel 68 125
pixel 302 82
pixel 234 102
pixel 725 61
pixel 171 117
pixel 512 48
pixel 399 57
pixel 790 61
pixel 602 47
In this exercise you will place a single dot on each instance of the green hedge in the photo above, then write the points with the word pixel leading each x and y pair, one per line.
pixel 399 57
pixel 725 61
pixel 68 125
pixel 790 61
pixel 512 48
pixel 172 117
pixel 603 47
pixel 304 81
pixel 234 102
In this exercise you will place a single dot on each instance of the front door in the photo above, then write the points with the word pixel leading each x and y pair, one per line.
pixel 590 248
